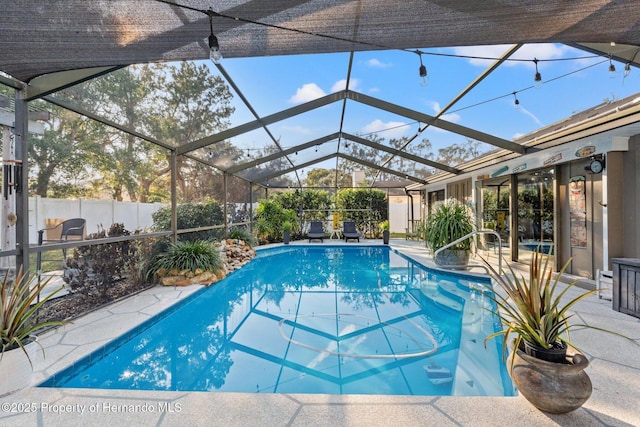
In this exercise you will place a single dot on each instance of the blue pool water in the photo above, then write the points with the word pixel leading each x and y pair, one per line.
pixel 313 319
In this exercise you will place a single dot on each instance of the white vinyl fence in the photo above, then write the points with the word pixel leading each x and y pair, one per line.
pixel 98 213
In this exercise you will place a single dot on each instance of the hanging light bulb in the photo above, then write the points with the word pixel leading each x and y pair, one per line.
pixel 214 47
pixel 422 71
pixel 516 101
pixel 612 69
pixel 537 78
pixel 627 69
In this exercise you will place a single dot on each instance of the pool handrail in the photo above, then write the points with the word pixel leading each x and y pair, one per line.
pixel 473 233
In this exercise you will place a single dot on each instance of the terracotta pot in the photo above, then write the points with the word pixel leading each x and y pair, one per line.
pixel 557 388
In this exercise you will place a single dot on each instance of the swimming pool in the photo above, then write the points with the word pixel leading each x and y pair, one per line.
pixel 313 319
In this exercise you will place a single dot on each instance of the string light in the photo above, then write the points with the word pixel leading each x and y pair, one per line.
pixel 422 70
pixel 214 47
pixel 537 78
pixel 516 101
pixel 627 69
pixel 612 68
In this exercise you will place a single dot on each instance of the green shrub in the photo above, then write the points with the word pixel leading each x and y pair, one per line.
pixel 191 256
pixel 270 217
pixel 92 270
pixel 192 215
pixel 364 206
pixel 240 233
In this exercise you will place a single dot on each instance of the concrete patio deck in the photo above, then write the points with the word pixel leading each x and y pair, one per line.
pixel 614 371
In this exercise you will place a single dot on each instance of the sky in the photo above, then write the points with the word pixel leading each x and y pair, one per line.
pixel 573 80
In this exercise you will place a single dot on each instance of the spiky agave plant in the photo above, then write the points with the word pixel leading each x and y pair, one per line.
pixel 19 307
pixel 533 309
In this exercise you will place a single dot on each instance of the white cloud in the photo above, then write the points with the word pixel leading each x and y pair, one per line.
pixel 376 63
pixel 297 129
pixel 386 129
pixel 342 84
pixel 374 90
pixel 530 114
pixel 450 117
pixel 435 106
pixel 527 52
pixel 308 92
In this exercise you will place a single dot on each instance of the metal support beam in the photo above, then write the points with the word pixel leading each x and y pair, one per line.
pixel 402 154
pixel 274 156
pixel 247 127
pixel 346 157
pixel 433 121
pixel 251 207
pixel 380 168
pixel 21 130
pixel 225 179
pixel 54 82
pixel 300 166
pixel 174 196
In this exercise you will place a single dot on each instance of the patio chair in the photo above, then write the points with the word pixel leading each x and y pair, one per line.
pixel 349 231
pixel 316 231
pixel 70 229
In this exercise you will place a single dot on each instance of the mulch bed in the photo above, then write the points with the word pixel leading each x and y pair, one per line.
pixel 71 306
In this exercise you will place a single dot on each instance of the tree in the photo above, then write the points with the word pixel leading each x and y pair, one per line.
pixel 327 178
pixel 456 154
pixel 174 104
pixel 60 155
pixel 192 104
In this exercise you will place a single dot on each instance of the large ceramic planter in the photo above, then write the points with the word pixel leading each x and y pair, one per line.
pixel 15 369
pixel 385 237
pixel 453 258
pixel 557 388
pixel 287 236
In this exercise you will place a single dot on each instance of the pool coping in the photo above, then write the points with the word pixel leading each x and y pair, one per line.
pixel 614 371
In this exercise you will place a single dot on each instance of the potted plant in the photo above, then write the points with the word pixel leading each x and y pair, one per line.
pixel 536 312
pixel 384 226
pixel 450 221
pixel 19 324
pixel 286 230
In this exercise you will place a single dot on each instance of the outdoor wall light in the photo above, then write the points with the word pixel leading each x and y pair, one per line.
pixel 214 47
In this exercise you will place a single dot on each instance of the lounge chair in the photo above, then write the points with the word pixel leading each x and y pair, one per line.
pixel 316 231
pixel 349 231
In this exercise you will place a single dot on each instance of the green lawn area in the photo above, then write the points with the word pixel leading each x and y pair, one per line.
pixel 51 261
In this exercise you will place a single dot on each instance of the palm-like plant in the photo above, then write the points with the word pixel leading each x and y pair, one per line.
pixel 449 221
pixel 19 307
